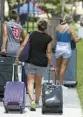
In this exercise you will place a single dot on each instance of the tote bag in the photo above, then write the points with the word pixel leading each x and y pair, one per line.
pixel 25 52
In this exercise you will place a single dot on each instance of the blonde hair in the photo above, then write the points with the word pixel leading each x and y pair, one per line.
pixel 68 18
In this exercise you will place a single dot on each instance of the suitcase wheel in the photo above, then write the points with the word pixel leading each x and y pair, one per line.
pixel 43 110
pixel 6 110
pixel 21 110
pixel 61 112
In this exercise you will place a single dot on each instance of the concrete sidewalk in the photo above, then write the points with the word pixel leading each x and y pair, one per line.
pixel 71 107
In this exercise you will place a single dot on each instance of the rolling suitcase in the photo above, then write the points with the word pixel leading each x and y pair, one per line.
pixel 5 72
pixel 52 98
pixel 70 79
pixel 14 94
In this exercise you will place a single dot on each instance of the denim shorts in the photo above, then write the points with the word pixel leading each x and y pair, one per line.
pixel 33 69
pixel 63 50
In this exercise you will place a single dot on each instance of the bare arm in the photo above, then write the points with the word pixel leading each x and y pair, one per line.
pixel 49 53
pixel 22 47
pixel 74 36
pixel 4 39
pixel 22 36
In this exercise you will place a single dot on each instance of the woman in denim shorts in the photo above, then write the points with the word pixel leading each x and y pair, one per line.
pixel 64 35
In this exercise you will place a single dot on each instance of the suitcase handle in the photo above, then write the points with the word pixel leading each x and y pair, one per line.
pixel 13 72
pixel 49 75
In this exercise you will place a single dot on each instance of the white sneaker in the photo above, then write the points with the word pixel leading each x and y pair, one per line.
pixel 64 87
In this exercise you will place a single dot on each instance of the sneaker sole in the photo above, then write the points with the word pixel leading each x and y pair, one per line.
pixel 32 109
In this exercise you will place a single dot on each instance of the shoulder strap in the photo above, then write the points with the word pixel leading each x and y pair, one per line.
pixel 65 29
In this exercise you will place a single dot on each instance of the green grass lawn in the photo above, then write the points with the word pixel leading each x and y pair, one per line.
pixel 80 71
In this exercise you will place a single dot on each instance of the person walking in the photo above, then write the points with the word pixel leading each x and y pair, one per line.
pixel 13 35
pixel 39 58
pixel 63 51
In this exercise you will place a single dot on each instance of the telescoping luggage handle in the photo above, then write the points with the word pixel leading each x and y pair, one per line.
pixel 49 75
pixel 15 76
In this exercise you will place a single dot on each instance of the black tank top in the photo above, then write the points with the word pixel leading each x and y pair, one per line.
pixel 39 42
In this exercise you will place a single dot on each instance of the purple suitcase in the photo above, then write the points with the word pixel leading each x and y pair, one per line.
pixel 14 96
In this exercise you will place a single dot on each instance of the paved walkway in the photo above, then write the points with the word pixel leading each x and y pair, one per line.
pixel 71 107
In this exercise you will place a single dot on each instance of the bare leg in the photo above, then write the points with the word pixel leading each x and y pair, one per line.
pixel 63 70
pixel 58 67
pixel 38 80
pixel 30 83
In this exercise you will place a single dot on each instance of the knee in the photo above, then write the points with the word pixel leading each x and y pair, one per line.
pixel 63 67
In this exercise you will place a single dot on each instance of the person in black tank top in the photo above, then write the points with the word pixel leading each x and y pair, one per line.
pixel 40 56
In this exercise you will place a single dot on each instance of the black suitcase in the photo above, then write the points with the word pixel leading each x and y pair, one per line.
pixel 5 72
pixel 52 98
pixel 73 44
pixel 70 79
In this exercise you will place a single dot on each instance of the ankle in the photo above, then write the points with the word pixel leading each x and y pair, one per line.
pixel 32 101
pixel 59 82
pixel 37 101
